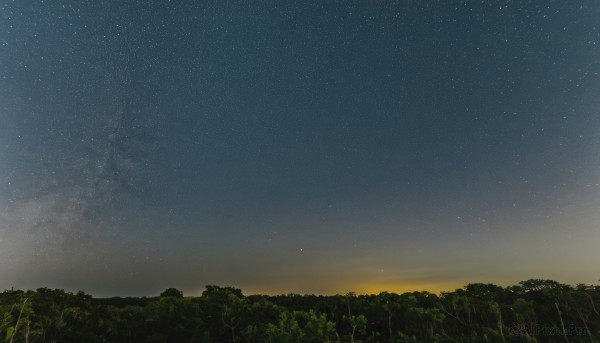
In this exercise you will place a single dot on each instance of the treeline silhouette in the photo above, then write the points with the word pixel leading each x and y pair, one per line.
pixel 532 311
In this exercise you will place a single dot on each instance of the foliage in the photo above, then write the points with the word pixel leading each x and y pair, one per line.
pixel 477 313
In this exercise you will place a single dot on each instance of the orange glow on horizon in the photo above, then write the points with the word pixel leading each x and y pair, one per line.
pixel 399 288
pixel 359 289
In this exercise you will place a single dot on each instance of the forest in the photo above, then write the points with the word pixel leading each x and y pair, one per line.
pixel 533 311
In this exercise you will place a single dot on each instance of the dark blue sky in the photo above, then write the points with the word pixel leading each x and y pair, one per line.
pixel 298 147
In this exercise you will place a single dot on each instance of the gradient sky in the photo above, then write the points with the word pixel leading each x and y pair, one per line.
pixel 307 147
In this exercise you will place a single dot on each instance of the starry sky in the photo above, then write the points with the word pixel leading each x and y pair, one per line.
pixel 298 146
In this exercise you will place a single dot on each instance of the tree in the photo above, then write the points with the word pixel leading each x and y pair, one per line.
pixel 173 319
pixel 287 329
pixel 224 309
pixel 356 323
pixel 172 292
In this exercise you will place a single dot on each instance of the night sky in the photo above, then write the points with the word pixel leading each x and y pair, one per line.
pixel 307 147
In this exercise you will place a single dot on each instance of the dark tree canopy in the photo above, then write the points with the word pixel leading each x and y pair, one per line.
pixel 172 292
pixel 533 311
